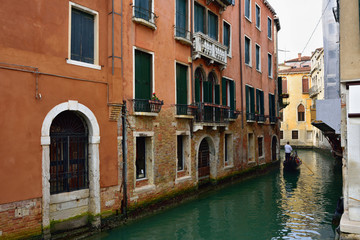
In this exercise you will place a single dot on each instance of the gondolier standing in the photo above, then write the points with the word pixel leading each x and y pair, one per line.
pixel 288 150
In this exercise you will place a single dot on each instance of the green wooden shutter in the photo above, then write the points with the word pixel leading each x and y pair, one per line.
pixel 76 35
pixel 271 105
pixel 258 100
pixel 87 38
pixel 199 18
pixel 252 100
pixel 227 36
pixel 181 84
pixel 143 63
pixel 223 92
pixel 212 26
pixel 247 94
pixel 206 92
pixel 217 94
pixel 181 18
pixel 232 95
pixel 197 89
pixel 262 110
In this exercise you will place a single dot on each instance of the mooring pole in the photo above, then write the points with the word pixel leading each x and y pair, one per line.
pixel 124 153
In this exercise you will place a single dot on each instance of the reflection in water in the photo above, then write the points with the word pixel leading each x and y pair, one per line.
pixel 275 206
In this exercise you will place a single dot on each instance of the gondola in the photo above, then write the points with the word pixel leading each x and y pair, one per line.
pixel 294 163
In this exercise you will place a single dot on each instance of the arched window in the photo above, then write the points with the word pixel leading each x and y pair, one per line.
pixel 301 113
pixel 209 89
pixel 68 153
pixel 199 79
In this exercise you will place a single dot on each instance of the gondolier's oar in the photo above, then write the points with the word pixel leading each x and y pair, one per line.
pixel 306 165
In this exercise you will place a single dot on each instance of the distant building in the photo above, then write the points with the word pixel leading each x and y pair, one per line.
pixel 316 93
pixel 296 117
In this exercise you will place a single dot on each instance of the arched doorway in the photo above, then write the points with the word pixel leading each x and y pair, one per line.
pixel 68 153
pixel 204 160
pixel 274 148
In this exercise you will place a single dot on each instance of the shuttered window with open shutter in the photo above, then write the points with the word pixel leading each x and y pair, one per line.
pixel 143 72
pixel 181 84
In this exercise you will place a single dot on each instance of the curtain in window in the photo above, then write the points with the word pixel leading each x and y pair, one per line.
pixel 199 14
pixel 181 18
pixel 212 26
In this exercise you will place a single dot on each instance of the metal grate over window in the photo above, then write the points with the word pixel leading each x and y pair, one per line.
pixel 68 153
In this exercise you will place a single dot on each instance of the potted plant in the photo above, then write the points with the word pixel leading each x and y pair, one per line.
pixel 155 103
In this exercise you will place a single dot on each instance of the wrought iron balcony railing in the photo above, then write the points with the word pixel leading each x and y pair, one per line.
pixel 260 118
pixel 272 119
pixel 204 46
pixel 145 105
pixel 250 117
pixel 212 113
pixel 144 16
pixel 184 109
pixel 183 35
pixel 232 114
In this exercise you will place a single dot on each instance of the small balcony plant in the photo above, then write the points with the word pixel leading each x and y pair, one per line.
pixel 155 103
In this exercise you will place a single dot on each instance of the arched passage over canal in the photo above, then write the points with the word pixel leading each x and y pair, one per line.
pixel 273 206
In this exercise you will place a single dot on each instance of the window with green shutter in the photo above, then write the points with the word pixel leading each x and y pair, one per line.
pixel 181 18
pixel 226 36
pixel 260 101
pixel 199 16
pixel 143 75
pixel 247 50
pixel 224 91
pixel 232 94
pixel 82 36
pixel 250 101
pixel 228 93
pixel 143 9
pixel 181 84
pixel 217 94
pixel 198 84
pixel 212 26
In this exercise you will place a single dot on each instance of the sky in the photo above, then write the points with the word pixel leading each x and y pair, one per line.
pixel 298 19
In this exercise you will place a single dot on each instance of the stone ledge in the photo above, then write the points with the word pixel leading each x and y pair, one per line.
pixel 349 226
pixel 182 179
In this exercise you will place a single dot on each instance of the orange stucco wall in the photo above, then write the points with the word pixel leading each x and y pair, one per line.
pixel 36 34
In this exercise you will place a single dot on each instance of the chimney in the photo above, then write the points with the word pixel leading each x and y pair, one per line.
pixel 299 56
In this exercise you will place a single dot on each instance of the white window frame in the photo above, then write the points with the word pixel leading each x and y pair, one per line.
pixel 270 74
pixel 230 150
pixel 95 65
pixel 229 54
pixel 248 18
pixel 258 27
pixel 271 29
pixel 153 68
pixel 258 69
pixel 250 52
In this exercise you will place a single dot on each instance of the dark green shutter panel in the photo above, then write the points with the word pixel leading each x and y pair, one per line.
pixel 199 18
pixel 143 65
pixel 181 84
pixel 271 105
pixel 217 94
pixel 206 91
pixel 76 35
pixel 88 38
pixel 212 26
pixel 223 92
pixel 257 100
pixel 232 95
pixel 181 10
pixel 197 90
pixel 280 85
pixel 252 100
pixel 262 111
pixel 247 94
pixel 227 36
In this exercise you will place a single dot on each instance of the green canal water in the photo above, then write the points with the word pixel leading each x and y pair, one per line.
pixel 274 206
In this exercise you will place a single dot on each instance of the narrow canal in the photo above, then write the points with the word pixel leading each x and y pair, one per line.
pixel 274 206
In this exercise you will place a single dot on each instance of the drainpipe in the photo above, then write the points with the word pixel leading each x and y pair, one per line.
pixel 124 152
pixel 191 53
pixel 241 69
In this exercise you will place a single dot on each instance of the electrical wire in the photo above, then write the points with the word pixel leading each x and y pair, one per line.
pixel 312 34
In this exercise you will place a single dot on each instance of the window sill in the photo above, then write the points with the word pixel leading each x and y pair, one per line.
pixel 248 65
pixel 184 116
pixel 83 64
pixel 250 121
pixel 182 179
pixel 248 18
pixel 230 166
pixel 144 22
pixel 270 39
pixel 147 188
pixel 258 29
pixel 69 196
pixel 183 41
pixel 146 114
pixel 259 71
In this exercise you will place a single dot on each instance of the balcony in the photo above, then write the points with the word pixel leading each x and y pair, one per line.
pixel 206 47
pixel 260 118
pixel 186 110
pixel 183 35
pixel 284 100
pixel 144 16
pixel 250 117
pixel 146 106
pixel 313 91
pixel 222 3
pixel 212 113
